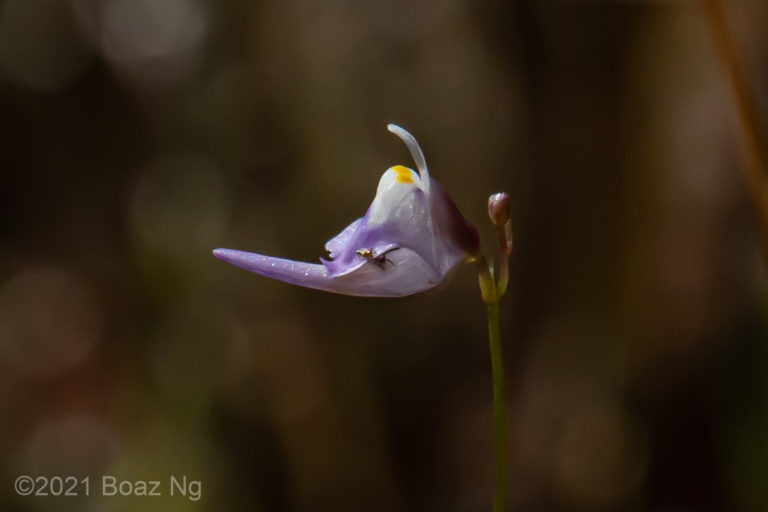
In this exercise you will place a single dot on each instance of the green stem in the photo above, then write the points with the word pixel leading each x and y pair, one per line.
pixel 499 406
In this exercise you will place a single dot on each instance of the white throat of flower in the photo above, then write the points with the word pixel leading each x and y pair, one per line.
pixel 395 195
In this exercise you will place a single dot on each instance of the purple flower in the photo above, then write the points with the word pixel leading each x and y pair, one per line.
pixel 411 236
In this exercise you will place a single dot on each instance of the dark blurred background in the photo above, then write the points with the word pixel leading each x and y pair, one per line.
pixel 136 136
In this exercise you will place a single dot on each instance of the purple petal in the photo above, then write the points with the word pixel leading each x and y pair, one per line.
pixel 311 275
pixel 458 237
pixel 339 242
pixel 402 273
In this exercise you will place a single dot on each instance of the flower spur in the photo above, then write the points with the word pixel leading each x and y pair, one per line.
pixel 411 236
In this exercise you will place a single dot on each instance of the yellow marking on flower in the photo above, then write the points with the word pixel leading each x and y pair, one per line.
pixel 403 174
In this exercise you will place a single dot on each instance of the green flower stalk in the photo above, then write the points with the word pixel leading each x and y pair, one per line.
pixel 492 290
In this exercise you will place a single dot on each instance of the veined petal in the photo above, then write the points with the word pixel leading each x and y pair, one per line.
pixel 402 273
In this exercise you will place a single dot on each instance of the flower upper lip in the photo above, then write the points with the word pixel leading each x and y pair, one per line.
pixel 409 238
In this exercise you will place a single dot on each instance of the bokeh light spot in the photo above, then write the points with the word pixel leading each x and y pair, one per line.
pixel 50 320
pixel 40 48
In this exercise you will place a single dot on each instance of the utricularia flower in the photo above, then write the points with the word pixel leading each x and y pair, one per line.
pixel 411 236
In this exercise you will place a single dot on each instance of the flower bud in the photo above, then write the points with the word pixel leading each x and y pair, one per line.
pixel 498 210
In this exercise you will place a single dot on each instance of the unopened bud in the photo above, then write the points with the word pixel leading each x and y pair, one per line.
pixel 498 210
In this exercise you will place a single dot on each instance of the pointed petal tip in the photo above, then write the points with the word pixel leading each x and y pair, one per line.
pixel 227 255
